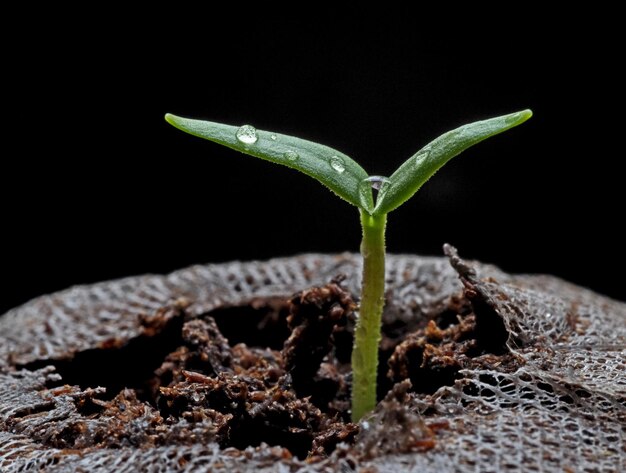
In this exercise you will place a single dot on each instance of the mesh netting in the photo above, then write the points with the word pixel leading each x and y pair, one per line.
pixel 560 405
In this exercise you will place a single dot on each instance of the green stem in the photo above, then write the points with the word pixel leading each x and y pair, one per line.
pixel 367 333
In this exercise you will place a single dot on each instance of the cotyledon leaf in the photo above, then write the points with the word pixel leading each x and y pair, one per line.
pixel 414 172
pixel 332 168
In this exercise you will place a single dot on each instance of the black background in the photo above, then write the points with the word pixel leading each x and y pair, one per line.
pixel 96 185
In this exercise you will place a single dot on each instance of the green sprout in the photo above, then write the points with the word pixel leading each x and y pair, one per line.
pixel 346 178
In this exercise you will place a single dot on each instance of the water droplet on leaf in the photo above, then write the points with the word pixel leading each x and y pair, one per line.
pixel 378 183
pixel 273 137
pixel 421 156
pixel 291 155
pixel 246 134
pixel 337 164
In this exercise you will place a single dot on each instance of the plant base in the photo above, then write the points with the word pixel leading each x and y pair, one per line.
pixel 247 366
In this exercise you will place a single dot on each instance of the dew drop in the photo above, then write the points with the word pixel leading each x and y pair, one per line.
pixel 421 156
pixel 337 164
pixel 291 155
pixel 246 134
pixel 273 137
pixel 379 183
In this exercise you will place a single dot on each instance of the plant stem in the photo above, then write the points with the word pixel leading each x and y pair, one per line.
pixel 367 333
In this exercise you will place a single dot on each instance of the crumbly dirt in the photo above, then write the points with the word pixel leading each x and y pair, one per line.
pixel 207 389
pixel 470 370
pixel 296 397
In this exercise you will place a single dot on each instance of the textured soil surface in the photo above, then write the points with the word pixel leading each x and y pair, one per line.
pixel 245 366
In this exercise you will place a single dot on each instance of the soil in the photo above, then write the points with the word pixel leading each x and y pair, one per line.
pixel 270 380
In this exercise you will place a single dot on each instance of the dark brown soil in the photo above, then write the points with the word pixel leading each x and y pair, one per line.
pixel 183 381
pixel 476 373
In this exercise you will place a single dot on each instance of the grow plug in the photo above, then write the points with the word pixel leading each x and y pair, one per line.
pixel 346 178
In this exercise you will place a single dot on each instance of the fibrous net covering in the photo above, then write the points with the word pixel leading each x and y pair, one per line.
pixel 557 401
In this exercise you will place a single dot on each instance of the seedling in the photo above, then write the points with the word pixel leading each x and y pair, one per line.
pixel 346 178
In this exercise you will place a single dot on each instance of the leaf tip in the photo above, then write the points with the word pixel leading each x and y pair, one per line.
pixel 171 119
pixel 178 122
pixel 516 118
pixel 525 114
